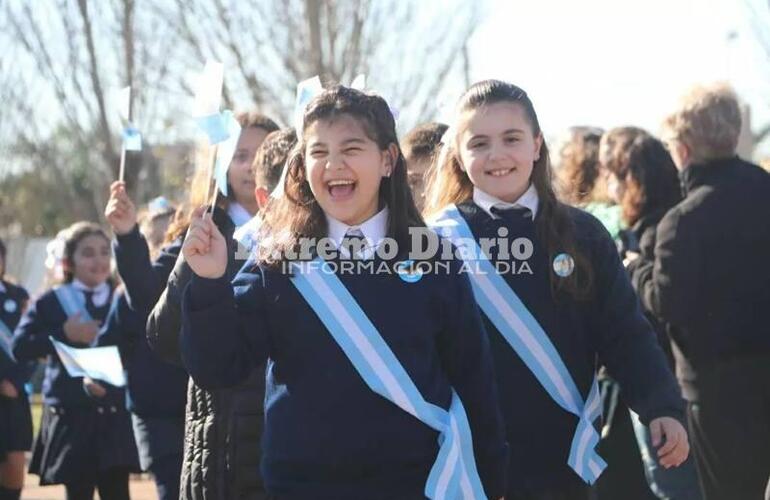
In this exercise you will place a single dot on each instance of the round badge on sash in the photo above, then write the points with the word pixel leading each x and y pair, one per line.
pixel 408 272
pixel 10 306
pixel 563 265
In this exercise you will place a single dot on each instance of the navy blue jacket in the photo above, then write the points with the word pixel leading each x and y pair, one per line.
pixel 12 303
pixel 327 435
pixel 45 318
pixel 155 388
pixel 608 329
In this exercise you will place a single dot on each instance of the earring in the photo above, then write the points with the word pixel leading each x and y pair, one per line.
pixel 387 174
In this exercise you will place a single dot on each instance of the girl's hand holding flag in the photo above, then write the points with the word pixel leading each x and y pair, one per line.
pixel 204 248
pixel 120 211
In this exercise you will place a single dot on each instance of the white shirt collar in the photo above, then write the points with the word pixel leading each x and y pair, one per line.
pixel 486 201
pixel 374 230
pixel 238 214
pixel 246 234
pixel 101 291
pixel 2 287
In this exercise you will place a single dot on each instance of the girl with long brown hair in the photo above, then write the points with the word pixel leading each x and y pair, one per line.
pixel 361 381
pixel 562 300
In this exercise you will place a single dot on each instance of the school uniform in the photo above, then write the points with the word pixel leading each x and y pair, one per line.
pixel 610 329
pixel 155 396
pixel 15 416
pixel 223 428
pixel 83 439
pixel 327 434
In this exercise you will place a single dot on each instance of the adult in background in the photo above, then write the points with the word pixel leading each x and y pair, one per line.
pixel 646 186
pixel 709 279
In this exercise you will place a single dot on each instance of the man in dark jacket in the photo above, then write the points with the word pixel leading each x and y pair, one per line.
pixel 711 281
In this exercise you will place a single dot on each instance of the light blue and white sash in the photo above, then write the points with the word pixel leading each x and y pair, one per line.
pixel 525 335
pixel 6 339
pixel 454 475
pixel 72 301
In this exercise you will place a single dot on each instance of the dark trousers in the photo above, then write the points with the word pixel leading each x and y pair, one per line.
pixel 166 472
pixel 111 483
pixel 730 430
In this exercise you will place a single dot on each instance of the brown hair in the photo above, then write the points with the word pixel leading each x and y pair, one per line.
pixel 449 184
pixel 615 145
pixel 76 233
pixel 649 175
pixel 254 119
pixel 578 170
pixel 271 157
pixel 297 213
pixel 422 142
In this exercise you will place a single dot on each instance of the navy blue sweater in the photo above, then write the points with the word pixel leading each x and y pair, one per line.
pixel 45 318
pixel 608 329
pixel 12 303
pixel 155 388
pixel 327 435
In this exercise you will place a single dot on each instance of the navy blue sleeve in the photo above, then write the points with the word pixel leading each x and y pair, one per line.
pixel 466 357
pixel 144 280
pixel 626 341
pixel 224 332
pixel 31 338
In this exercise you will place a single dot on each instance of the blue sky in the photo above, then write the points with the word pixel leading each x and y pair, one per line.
pixel 617 62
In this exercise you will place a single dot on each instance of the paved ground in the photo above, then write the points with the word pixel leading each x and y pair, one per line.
pixel 142 488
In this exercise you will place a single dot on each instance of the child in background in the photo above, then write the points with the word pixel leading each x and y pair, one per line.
pixel 222 432
pixel 85 439
pixel 421 144
pixel 268 169
pixel 646 188
pixel 156 390
pixel 15 416
pixel 563 303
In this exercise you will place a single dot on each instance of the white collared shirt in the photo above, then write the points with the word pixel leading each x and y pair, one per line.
pixel 238 214
pixel 374 230
pixel 486 201
pixel 2 287
pixel 101 292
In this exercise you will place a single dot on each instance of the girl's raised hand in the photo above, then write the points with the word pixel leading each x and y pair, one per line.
pixel 120 211
pixel 204 248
